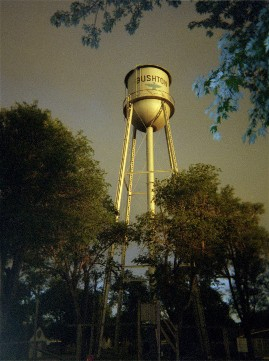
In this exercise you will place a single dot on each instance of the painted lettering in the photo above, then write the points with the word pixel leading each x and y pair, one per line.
pixel 153 78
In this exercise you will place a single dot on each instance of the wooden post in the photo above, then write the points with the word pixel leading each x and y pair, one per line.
pixel 139 346
pixel 35 327
pixel 177 342
pixel 158 329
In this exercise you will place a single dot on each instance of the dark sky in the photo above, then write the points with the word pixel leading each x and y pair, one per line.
pixel 84 88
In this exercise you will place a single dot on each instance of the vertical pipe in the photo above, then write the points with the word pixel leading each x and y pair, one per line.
pixel 150 171
pixel 150 194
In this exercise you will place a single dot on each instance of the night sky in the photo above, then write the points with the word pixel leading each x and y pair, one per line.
pixel 85 89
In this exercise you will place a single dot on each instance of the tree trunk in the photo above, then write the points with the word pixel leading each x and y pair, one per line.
pixel 35 327
pixel 8 293
pixel 1 303
pixel 78 325
pixel 74 294
pixel 178 337
pixel 200 320
pixel 94 319
pixel 79 341
pixel 242 305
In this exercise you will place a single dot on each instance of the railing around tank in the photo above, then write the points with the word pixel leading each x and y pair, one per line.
pixel 149 94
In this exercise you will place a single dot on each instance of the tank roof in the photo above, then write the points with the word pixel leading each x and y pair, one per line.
pixel 146 66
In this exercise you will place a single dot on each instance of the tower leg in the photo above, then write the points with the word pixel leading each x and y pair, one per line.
pixel 117 205
pixel 131 176
pixel 124 245
pixel 124 157
pixel 170 143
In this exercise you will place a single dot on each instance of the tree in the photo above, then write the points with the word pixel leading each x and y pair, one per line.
pixel 240 254
pixel 50 186
pixel 243 46
pixel 204 233
pixel 76 259
pixel 177 236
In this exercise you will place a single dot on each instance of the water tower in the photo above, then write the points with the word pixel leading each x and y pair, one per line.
pixel 147 108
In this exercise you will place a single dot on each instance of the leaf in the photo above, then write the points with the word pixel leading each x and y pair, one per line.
pixel 252 138
pixel 217 136
pixel 266 43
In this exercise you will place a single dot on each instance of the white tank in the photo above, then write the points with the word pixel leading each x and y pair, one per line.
pixel 148 90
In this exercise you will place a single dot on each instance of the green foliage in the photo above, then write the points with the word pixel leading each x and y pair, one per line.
pixel 243 63
pixel 226 15
pixel 240 252
pixel 203 230
pixel 189 201
pixel 57 312
pixel 29 171
pixel 49 180
pixel 104 15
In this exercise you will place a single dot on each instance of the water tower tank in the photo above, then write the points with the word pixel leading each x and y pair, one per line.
pixel 148 90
